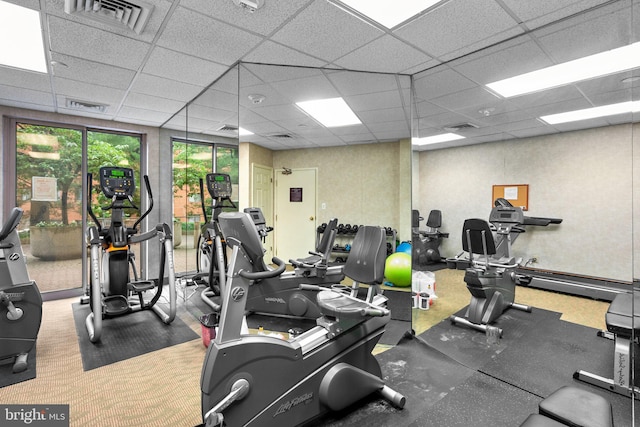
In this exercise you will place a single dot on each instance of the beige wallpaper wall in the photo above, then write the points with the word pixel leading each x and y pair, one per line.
pixel 359 184
pixel 583 177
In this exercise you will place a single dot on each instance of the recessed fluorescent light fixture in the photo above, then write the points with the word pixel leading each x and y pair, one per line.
pixel 244 132
pixel 390 13
pixel 331 112
pixel 21 44
pixel 601 64
pixel 443 137
pixel 592 113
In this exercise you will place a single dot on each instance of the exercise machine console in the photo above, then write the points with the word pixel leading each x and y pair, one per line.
pixel 115 288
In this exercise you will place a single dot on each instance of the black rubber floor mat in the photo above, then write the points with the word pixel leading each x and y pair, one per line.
pixel 127 336
pixel 7 377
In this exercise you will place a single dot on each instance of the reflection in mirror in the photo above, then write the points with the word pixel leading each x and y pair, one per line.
pixel 203 135
pixel 473 145
pixel 358 174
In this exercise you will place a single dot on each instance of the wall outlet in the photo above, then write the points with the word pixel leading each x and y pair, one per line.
pixel 323 205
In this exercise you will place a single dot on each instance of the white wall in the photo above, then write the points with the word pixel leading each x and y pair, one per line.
pixel 583 177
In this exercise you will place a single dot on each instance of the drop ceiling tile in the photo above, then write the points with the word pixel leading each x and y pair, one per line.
pixel 92 72
pixel 325 31
pixel 374 101
pixel 305 89
pixel 398 56
pixel 598 31
pixel 149 116
pixel 183 68
pixel 92 44
pixel 356 83
pixel 88 92
pixel 220 42
pixel 459 26
pixel 25 79
pixel 473 97
pixel 28 96
pixel 383 115
pixel 541 12
pixel 150 85
pixel 270 52
pixel 518 56
pixel 139 100
pixel 439 82
pixel 263 21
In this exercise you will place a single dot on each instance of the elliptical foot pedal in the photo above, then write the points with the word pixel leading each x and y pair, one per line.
pixel 115 305
pixel 141 285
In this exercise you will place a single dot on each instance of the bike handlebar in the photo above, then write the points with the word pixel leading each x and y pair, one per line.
pixel 265 274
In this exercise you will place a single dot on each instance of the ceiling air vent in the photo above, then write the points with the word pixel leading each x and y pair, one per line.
pixel 128 14
pixel 460 127
pixel 280 135
pixel 228 129
pixel 85 106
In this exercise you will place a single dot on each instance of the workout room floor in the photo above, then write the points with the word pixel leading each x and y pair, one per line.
pixel 162 388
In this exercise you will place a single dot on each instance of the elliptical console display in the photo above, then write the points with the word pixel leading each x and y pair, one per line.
pixel 117 182
pixel 219 185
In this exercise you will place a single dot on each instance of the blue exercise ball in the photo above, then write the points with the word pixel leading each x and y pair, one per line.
pixel 404 247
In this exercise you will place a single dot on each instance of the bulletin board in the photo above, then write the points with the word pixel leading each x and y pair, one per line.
pixel 516 194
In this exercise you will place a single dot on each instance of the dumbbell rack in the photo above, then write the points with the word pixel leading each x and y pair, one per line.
pixel 345 236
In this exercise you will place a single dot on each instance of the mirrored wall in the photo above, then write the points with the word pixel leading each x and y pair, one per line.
pixel 582 172
pixel 362 171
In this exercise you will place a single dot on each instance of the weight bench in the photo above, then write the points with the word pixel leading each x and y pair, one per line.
pixel 572 406
pixel 623 327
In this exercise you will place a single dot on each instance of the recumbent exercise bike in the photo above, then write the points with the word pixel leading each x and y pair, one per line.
pixel 257 380
pixel 280 295
pixel 20 299
pixel 112 291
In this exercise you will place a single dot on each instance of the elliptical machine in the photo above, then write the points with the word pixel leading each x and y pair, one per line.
pixel 258 380
pixel 491 280
pixel 111 291
pixel 20 299
pixel 211 255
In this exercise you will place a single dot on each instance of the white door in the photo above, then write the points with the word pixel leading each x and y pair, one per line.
pixel 295 213
pixel 262 197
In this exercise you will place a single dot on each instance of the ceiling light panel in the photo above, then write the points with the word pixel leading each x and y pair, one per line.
pixel 601 64
pixel 592 113
pixel 21 44
pixel 390 13
pixel 331 112
pixel 444 137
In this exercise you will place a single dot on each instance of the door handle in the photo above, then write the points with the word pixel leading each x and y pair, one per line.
pixel 311 218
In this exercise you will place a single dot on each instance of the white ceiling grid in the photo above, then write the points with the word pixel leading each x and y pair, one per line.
pixel 452 50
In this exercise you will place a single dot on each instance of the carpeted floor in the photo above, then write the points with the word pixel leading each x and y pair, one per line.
pixel 161 388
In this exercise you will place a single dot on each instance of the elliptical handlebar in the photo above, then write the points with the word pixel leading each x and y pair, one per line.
pixel 265 274
pixel 11 223
pixel 150 194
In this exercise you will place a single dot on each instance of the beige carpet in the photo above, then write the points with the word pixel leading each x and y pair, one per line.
pixel 162 388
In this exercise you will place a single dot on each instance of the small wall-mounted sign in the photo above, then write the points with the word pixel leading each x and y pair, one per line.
pixel 295 194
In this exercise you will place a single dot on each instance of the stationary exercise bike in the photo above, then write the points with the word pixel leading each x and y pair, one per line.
pixel 257 380
pixel 426 243
pixel 280 295
pixel 112 291
pixel 491 283
pixel 20 299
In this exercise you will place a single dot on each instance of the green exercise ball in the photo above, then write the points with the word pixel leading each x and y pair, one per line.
pixel 397 269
